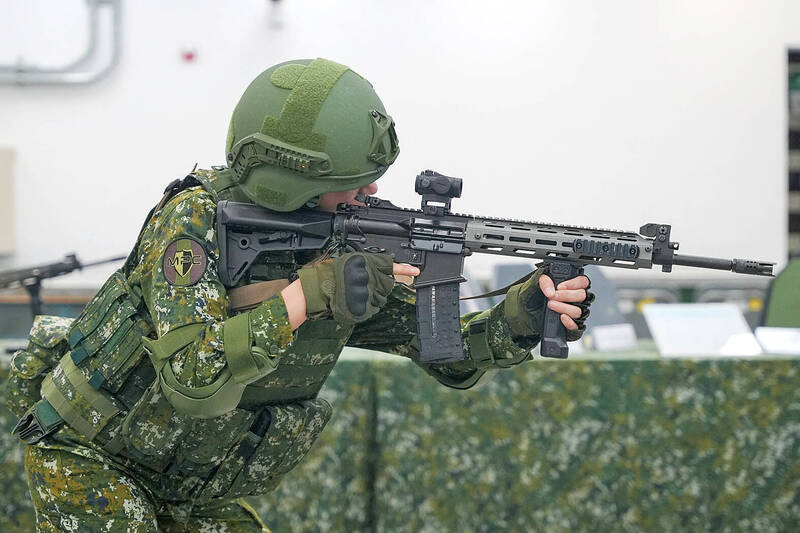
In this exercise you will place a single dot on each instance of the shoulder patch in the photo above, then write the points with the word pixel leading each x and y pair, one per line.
pixel 184 262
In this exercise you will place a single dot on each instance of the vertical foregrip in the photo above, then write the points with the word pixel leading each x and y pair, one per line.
pixel 439 324
pixel 554 337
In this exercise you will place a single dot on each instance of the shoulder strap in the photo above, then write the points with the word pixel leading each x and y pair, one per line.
pixel 220 182
pixel 176 186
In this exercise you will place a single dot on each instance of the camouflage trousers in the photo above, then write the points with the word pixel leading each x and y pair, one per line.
pixel 75 493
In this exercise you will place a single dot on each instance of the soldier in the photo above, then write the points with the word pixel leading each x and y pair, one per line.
pixel 165 402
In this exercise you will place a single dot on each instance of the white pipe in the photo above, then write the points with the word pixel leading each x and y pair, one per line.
pixel 72 74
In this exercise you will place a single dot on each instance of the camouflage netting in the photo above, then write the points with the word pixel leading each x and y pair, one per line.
pixel 575 446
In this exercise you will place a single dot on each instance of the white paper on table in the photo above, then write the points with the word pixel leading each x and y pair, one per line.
pixel 576 347
pixel 614 337
pixel 714 329
pixel 779 340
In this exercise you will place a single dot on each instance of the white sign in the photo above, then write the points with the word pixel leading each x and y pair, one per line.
pixel 616 337
pixel 717 329
pixel 779 340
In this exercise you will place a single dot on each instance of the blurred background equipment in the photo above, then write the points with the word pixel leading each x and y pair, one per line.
pixel 472 287
pixel 98 59
pixel 782 307
pixel 605 309
pixel 794 153
pixel 6 201
pixel 700 330
pixel 31 278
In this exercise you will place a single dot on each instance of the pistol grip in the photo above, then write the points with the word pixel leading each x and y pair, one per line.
pixel 554 334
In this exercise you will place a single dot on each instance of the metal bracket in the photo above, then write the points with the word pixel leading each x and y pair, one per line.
pixel 663 248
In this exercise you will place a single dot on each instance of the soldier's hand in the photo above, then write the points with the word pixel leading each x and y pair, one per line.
pixel 402 269
pixel 525 304
pixel 352 287
pixel 570 291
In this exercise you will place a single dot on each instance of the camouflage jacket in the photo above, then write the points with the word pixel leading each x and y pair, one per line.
pixel 252 443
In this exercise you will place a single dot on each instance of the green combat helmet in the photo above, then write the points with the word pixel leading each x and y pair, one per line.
pixel 304 128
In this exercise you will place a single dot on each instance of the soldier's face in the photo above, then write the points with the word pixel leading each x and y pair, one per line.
pixel 329 200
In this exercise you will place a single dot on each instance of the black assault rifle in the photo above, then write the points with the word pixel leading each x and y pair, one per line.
pixel 31 278
pixel 437 240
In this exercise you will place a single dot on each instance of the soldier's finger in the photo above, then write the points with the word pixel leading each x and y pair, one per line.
pixel 581 282
pixel 547 286
pixel 403 269
pixel 568 322
pixel 572 295
pixel 563 308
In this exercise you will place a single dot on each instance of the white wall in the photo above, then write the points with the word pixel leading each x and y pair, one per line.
pixel 607 114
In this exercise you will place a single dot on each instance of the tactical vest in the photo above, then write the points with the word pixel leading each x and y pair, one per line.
pixel 104 389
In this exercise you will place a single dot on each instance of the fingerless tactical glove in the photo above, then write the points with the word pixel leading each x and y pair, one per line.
pixel 353 287
pixel 525 307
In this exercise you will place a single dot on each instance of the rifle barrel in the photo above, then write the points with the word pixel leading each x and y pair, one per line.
pixel 103 261
pixel 741 266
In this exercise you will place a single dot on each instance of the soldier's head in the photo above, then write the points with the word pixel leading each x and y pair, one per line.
pixel 308 128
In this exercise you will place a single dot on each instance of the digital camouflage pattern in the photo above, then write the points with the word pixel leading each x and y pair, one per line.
pixel 561 446
pixel 391 331
pixel 194 463
pixel 326 492
pixel 47 345
pixel 16 509
pixel 74 493
pixel 190 215
pixel 624 446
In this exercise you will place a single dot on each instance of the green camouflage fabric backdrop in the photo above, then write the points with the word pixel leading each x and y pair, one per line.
pixel 578 445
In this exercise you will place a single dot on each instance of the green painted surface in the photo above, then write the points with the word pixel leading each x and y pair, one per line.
pixel 643 444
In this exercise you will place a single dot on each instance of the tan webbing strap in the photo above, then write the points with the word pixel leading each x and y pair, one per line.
pixel 250 296
pixel 87 394
pixel 63 407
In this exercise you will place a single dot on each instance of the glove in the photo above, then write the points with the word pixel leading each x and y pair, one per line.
pixel 353 287
pixel 525 306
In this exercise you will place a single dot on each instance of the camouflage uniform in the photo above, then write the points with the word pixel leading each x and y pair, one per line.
pixel 151 466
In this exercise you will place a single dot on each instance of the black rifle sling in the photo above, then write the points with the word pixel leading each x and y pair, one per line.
pixel 501 291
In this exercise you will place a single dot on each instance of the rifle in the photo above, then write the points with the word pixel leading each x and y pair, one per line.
pixel 31 278
pixel 437 241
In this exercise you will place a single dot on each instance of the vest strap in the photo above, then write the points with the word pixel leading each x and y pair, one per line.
pixel 85 423
pixel 171 343
pixel 479 349
pixel 246 362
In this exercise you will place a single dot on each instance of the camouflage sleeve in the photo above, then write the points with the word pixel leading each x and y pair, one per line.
pixel 178 259
pixel 393 330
